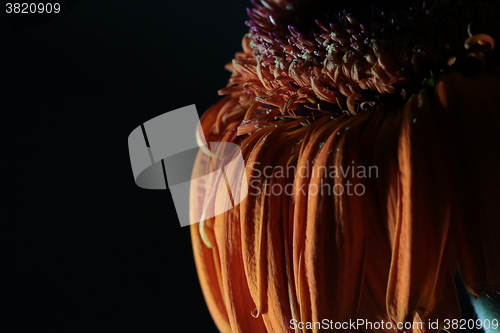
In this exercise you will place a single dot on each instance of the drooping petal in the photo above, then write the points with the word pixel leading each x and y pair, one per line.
pixel 328 241
pixel 380 205
pixel 315 134
pixel 227 232
pixel 206 258
pixel 422 229
pixel 265 218
pixel 237 297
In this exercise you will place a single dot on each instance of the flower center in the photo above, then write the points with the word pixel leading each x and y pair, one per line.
pixel 309 63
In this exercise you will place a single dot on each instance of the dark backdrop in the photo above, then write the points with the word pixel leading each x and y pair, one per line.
pixel 83 248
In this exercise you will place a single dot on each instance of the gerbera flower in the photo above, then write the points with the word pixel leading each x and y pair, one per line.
pixel 388 122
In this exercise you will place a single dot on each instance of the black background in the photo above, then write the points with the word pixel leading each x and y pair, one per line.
pixel 84 249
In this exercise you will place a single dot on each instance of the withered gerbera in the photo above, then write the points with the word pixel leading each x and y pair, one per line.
pixel 389 122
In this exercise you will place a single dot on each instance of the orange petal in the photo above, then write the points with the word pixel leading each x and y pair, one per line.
pixel 208 267
pixel 422 229
pixel 207 259
pixel 314 133
pixel 380 205
pixel 332 257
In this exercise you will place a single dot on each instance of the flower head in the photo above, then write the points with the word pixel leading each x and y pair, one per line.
pixel 388 120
